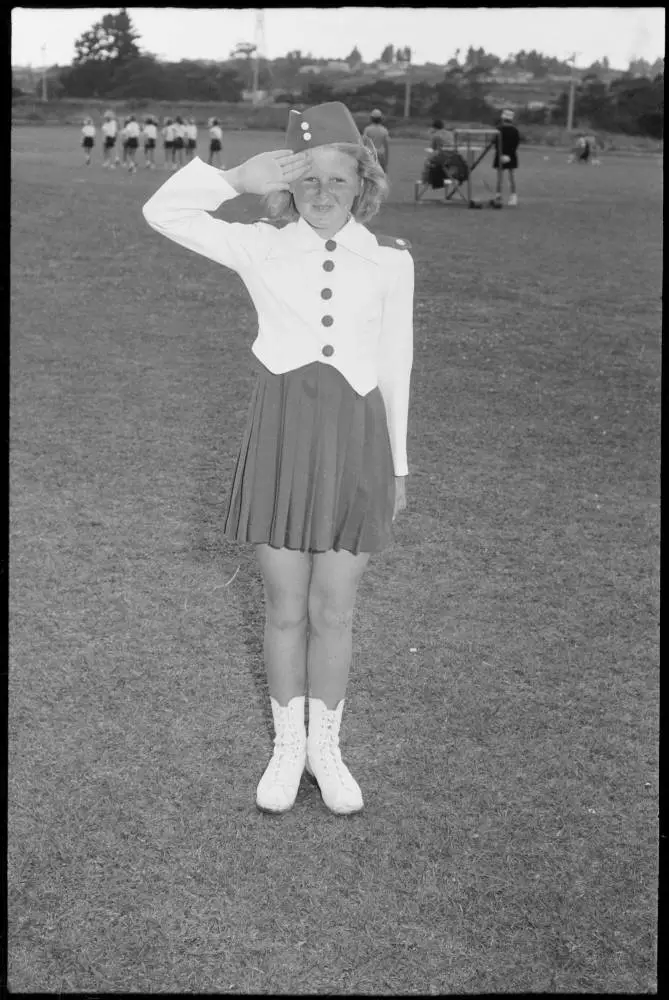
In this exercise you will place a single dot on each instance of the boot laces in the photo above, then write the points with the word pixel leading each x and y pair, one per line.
pixel 287 746
pixel 330 754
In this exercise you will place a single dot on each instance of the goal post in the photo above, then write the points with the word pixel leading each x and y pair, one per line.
pixel 473 144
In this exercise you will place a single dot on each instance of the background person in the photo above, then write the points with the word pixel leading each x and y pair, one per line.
pixel 215 142
pixel 509 142
pixel 585 151
pixel 178 145
pixel 88 139
pixel 440 160
pixel 378 134
pixel 168 142
pixel 109 131
pixel 130 135
pixel 191 138
pixel 150 135
pixel 320 473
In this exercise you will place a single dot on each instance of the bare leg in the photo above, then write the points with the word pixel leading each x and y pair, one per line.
pixel 332 593
pixel 512 181
pixel 286 574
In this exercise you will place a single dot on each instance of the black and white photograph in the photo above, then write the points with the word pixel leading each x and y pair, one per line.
pixel 334 501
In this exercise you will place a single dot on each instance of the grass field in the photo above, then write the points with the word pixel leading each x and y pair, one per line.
pixel 509 763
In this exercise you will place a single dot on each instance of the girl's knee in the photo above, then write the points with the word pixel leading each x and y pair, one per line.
pixel 286 615
pixel 327 615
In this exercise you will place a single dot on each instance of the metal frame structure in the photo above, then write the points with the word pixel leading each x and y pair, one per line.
pixel 492 139
pixel 485 139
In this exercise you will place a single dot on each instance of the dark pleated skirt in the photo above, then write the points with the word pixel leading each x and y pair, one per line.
pixel 315 469
pixel 434 172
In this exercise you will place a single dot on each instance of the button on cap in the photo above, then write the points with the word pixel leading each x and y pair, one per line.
pixel 328 350
pixel 328 265
pixel 327 321
pixel 330 245
pixel 326 293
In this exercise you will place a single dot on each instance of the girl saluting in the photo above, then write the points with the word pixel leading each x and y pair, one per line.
pixel 322 465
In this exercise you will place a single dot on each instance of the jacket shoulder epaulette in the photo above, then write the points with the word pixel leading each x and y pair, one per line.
pixel 275 223
pixel 393 241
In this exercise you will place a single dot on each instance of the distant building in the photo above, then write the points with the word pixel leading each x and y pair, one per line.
pixel 391 70
pixel 500 75
pixel 333 66
pixel 250 95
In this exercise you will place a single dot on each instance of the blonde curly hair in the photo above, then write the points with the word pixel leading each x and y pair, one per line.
pixel 375 186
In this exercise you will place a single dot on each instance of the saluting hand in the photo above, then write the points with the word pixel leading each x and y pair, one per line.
pixel 267 172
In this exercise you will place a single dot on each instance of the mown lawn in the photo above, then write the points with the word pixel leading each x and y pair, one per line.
pixel 509 763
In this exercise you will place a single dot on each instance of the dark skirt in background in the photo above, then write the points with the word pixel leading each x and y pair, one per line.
pixel 511 165
pixel 434 171
pixel 315 469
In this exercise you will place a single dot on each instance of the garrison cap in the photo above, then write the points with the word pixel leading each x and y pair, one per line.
pixel 321 125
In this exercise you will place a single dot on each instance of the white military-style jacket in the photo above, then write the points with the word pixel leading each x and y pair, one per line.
pixel 345 302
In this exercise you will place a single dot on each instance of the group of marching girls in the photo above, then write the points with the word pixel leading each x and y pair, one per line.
pixel 120 146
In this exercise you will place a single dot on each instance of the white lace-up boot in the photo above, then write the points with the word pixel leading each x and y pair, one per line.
pixel 341 792
pixel 277 789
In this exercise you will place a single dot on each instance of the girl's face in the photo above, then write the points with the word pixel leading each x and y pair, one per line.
pixel 325 193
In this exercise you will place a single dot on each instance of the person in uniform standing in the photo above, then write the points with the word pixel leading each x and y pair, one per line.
pixel 322 467
pixel 379 135
pixel 150 134
pixel 110 132
pixel 179 142
pixel 130 135
pixel 215 142
pixel 191 138
pixel 88 139
pixel 508 149
pixel 168 142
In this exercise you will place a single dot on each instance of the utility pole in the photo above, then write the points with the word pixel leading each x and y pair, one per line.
pixel 44 95
pixel 407 87
pixel 259 51
pixel 572 89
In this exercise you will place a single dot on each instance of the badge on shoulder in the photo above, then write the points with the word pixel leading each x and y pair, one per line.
pixel 392 241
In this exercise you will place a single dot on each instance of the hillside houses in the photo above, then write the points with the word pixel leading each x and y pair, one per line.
pixel 500 75
pixel 320 69
pixel 337 67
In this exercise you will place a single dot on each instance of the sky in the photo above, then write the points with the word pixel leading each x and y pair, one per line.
pixel 433 33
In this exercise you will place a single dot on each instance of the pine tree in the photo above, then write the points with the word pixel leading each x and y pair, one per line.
pixel 112 38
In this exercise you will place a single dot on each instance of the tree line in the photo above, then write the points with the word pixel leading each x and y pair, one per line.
pixel 109 63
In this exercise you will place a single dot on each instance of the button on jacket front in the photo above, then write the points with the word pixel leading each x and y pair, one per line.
pixel 367 323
